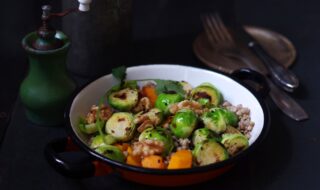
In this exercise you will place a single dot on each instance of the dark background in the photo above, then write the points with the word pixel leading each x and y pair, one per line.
pixel 163 31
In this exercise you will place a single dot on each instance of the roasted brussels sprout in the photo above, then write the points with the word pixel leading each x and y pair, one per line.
pixel 230 117
pixel 234 143
pixel 164 100
pixel 209 152
pixel 232 130
pixel 214 120
pixel 121 126
pixel 101 140
pixel 88 128
pixel 158 134
pixel 183 123
pixel 207 94
pixel 112 152
pixel 204 134
pixel 123 100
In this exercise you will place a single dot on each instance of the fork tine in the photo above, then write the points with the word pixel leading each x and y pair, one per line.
pixel 223 28
pixel 216 28
pixel 210 35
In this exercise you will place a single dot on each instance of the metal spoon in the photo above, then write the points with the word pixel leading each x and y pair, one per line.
pixel 284 102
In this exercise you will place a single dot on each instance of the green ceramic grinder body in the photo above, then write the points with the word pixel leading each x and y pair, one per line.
pixel 47 87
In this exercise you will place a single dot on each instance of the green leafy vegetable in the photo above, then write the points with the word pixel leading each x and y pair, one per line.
pixel 100 123
pixel 82 123
pixel 169 86
pixel 120 73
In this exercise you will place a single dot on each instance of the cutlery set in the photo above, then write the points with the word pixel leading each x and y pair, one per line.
pixel 279 78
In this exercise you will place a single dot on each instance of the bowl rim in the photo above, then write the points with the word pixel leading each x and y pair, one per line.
pixel 206 168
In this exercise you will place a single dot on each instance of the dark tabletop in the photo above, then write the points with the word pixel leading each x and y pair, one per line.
pixel 163 33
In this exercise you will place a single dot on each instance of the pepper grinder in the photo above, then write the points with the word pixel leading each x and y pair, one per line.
pixel 47 87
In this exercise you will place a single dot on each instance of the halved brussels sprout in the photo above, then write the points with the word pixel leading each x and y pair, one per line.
pixel 112 152
pixel 123 100
pixel 204 134
pixel 88 128
pixel 101 140
pixel 183 123
pixel 230 117
pixel 234 143
pixel 214 120
pixel 158 134
pixel 207 94
pixel 121 126
pixel 164 100
pixel 209 152
pixel 232 130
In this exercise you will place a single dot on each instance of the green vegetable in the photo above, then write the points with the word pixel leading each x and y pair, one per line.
pixel 100 140
pixel 158 134
pixel 169 87
pixel 230 117
pixel 121 126
pixel 123 100
pixel 214 120
pixel 88 128
pixel 111 152
pixel 165 100
pixel 234 143
pixel 207 95
pixel 204 134
pixel 209 152
pixel 232 130
pixel 120 74
pixel 183 123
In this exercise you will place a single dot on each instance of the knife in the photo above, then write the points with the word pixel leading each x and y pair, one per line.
pixel 286 104
pixel 284 78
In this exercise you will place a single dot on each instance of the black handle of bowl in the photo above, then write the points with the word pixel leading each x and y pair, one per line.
pixel 65 163
pixel 253 80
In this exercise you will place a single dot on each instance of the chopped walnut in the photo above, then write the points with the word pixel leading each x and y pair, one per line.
pixel 144 125
pixel 183 143
pixel 154 115
pixel 105 113
pixel 187 104
pixel 144 105
pixel 147 147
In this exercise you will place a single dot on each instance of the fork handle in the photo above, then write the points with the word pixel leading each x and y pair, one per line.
pixel 284 78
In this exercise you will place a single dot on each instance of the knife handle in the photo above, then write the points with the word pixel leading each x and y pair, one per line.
pixel 284 78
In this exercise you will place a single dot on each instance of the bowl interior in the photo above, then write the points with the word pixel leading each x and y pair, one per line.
pixel 232 91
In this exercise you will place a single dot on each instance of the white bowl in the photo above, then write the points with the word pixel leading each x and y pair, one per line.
pixel 232 91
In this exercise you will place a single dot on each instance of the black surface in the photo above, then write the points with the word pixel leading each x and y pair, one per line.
pixel 289 157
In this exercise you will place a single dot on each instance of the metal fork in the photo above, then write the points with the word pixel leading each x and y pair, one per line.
pixel 220 38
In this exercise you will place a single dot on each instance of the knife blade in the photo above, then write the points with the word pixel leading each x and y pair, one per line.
pixel 286 104
pixel 283 77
